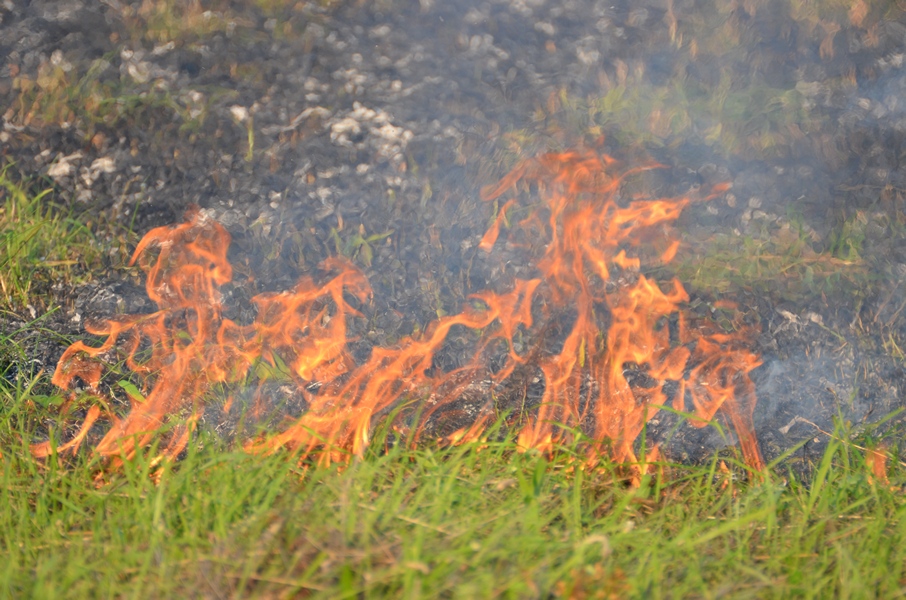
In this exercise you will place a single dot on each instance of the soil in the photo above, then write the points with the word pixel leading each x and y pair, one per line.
pixel 388 117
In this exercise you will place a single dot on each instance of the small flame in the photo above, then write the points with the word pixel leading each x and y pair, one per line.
pixel 629 350
pixel 876 460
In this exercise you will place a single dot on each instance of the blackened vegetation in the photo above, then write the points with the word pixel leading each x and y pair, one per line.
pixel 374 119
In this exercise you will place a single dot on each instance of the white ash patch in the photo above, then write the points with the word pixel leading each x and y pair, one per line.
pixel 354 80
pixel 195 103
pixel 102 165
pixel 63 167
pixel 482 45
pixel 365 128
pixel 546 28
pixel 239 113
pixel 334 40
pixel 57 60
pixel 379 32
pixel 161 49
pixel 133 65
pixel 476 16
pixel 523 8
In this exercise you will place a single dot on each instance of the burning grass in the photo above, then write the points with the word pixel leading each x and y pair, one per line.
pixel 478 519
pixel 619 322
pixel 431 521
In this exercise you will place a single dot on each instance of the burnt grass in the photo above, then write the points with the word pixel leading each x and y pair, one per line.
pixel 368 129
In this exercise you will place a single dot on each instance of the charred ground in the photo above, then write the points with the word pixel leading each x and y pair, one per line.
pixel 367 129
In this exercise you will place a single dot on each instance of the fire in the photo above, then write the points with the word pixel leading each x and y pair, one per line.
pixel 628 350
pixel 589 234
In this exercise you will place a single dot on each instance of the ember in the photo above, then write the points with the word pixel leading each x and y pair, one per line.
pixel 622 323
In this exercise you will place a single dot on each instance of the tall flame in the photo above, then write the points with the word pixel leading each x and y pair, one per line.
pixel 628 350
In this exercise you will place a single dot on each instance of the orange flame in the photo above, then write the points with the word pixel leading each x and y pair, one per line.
pixel 589 232
pixel 629 337
pixel 876 460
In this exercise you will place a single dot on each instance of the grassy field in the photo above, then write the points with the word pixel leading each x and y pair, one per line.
pixel 465 522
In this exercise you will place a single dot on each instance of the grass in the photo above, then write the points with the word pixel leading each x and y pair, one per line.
pixel 462 522
pixel 741 117
pixel 781 263
pixel 39 243
pixel 163 21
pixel 60 96
pixel 715 90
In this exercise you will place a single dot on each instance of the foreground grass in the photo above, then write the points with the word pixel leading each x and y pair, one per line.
pixel 461 522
